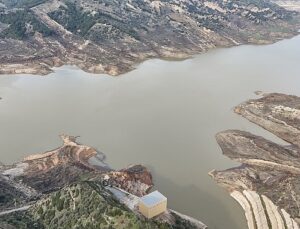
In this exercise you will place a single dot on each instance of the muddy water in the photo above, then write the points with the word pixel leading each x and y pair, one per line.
pixel 163 114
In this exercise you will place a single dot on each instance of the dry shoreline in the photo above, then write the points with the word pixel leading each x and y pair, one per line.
pixel 266 184
pixel 169 30
pixel 37 69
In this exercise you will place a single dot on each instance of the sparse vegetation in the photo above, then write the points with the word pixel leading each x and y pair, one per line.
pixel 80 22
pixel 125 32
pixel 84 205
pixel 22 24
pixel 9 196
pixel 20 220
pixel 22 3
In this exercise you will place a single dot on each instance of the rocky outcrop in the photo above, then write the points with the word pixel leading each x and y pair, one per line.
pixel 249 149
pixel 135 179
pixel 244 202
pixel 261 212
pixel 277 113
pixel 70 153
pixel 267 183
pixel 45 172
pixel 274 214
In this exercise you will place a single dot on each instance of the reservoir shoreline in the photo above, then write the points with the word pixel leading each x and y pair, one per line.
pixel 129 118
pixel 37 70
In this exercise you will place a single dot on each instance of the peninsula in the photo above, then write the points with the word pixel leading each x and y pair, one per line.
pixel 267 183
pixel 65 188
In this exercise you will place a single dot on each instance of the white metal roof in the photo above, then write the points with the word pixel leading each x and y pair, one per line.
pixel 153 198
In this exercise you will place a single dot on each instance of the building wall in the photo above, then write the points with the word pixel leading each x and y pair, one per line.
pixel 143 209
pixel 153 211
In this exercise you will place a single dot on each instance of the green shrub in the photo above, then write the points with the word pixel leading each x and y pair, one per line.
pixel 17 25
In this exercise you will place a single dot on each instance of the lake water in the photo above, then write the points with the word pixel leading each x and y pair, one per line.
pixel 164 114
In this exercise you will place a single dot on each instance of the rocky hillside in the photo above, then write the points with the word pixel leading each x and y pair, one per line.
pixel 72 187
pixel 267 183
pixel 111 36
pixel 289 4
pixel 81 205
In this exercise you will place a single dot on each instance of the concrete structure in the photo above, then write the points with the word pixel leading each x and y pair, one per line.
pixel 152 204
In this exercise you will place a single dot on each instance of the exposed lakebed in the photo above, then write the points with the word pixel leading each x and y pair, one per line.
pixel 163 114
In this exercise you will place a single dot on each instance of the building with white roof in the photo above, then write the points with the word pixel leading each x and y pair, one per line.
pixel 152 204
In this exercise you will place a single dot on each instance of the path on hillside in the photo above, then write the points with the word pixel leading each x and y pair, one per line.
pixel 24 208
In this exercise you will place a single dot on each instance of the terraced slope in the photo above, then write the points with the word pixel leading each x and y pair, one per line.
pixel 267 183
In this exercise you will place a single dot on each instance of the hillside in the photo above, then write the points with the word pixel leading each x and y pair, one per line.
pixel 288 4
pixel 65 188
pixel 82 205
pixel 106 36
